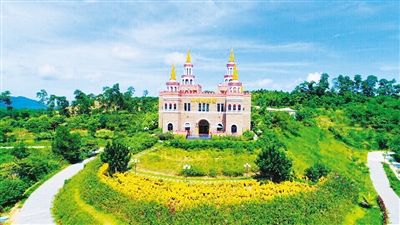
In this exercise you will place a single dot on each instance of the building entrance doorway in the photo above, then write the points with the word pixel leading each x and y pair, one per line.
pixel 204 127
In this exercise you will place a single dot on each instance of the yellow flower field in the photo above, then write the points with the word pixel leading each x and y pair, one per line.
pixel 186 195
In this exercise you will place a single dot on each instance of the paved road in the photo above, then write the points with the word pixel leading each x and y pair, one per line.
pixel 382 186
pixel 36 209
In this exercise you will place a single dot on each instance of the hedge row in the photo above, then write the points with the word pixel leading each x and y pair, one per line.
pixel 194 145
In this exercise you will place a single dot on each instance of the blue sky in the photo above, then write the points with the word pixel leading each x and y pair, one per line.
pixel 87 45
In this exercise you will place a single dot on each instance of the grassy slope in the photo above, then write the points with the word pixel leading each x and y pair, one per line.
pixel 69 208
pixel 317 144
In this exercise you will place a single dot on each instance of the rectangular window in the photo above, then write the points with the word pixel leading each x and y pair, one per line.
pixel 218 107
pixel 188 107
pixel 185 106
pixel 199 107
pixel 222 108
pixel 207 107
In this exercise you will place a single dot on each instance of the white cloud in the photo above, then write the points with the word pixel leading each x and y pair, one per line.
pixel 314 76
pixel 93 76
pixel 258 84
pixel 124 52
pixel 389 67
pixel 47 72
pixel 175 58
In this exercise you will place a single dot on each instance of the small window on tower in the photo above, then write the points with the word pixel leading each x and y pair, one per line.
pixel 165 106
pixel 188 106
pixel 234 107
pixel 170 106
pixel 229 107
pixel 174 106
pixel 239 107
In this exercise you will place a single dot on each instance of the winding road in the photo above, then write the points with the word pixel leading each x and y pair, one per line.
pixel 382 186
pixel 37 208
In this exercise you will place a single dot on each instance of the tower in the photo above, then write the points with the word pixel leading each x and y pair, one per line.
pixel 187 79
pixel 172 84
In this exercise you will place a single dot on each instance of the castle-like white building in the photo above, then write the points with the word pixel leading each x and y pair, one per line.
pixel 185 108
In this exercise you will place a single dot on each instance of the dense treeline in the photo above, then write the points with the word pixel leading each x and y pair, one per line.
pixel 371 103
pixel 69 132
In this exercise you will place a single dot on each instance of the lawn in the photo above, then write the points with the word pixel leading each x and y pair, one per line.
pixel 170 161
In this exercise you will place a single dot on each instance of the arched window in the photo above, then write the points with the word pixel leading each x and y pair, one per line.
pixel 229 107
pixel 165 106
pixel 174 106
pixel 170 106
pixel 219 127
pixel 175 89
pixel 239 107
pixel 191 81
pixel 234 107
pixel 170 127
pixel 233 129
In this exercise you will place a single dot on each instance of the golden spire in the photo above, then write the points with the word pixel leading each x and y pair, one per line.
pixel 173 74
pixel 188 57
pixel 231 56
pixel 235 73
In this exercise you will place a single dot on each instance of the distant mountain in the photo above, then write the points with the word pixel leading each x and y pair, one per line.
pixel 23 102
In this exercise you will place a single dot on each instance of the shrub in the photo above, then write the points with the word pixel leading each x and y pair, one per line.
pixel 213 173
pixel 117 156
pixel 11 191
pixel 316 171
pixel 20 151
pixel 194 171
pixel 382 206
pixel 43 136
pixel 247 135
pixel 273 164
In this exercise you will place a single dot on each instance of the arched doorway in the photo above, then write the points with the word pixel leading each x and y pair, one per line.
pixel 204 127
pixel 170 127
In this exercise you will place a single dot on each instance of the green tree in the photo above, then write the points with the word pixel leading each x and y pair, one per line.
pixel 62 105
pixel 82 103
pixel 274 164
pixel 5 97
pixel 323 85
pixel 368 86
pixel 20 151
pixel 116 154
pixel 42 95
pixel 11 191
pixel 67 145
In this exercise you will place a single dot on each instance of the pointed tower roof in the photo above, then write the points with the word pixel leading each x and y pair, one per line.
pixel 232 56
pixel 173 74
pixel 188 57
pixel 235 73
